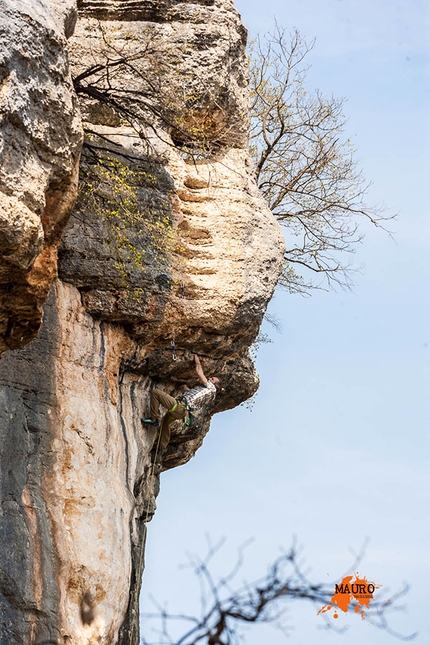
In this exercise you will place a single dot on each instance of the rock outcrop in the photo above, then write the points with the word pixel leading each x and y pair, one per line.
pixel 40 141
pixel 170 246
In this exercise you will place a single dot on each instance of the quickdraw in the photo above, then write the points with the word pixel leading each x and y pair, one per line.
pixel 172 344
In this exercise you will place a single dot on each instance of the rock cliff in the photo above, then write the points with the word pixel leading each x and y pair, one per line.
pixel 169 250
pixel 41 136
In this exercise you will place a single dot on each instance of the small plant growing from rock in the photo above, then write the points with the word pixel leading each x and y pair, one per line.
pixel 117 193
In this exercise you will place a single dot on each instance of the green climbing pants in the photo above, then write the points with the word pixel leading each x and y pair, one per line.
pixel 158 397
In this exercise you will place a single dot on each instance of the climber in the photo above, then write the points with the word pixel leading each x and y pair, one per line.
pixel 180 407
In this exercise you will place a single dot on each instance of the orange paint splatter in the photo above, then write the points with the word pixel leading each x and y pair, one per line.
pixel 352 588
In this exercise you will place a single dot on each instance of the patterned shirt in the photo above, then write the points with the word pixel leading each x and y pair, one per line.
pixel 199 395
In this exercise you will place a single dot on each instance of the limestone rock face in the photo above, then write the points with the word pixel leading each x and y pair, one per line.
pixel 170 250
pixel 70 460
pixel 40 142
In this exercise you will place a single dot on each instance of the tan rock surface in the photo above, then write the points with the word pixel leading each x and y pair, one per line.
pixel 194 260
pixel 40 140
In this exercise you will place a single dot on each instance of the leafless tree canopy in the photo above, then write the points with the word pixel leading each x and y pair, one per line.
pixel 226 606
pixel 305 166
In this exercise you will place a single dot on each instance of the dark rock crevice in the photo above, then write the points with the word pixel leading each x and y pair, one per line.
pixel 161 11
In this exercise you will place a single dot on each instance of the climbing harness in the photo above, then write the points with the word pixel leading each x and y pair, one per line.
pixel 189 419
pixel 173 408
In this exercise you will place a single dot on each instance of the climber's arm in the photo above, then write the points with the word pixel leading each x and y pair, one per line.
pixel 199 370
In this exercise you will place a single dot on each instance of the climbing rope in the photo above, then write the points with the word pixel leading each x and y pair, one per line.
pixel 139 570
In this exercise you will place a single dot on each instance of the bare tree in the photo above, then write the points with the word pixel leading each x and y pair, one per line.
pixel 226 607
pixel 305 167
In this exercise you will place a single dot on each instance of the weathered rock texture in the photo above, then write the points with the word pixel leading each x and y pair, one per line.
pixel 193 257
pixel 40 142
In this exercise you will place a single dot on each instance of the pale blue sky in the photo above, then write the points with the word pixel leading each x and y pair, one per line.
pixel 337 447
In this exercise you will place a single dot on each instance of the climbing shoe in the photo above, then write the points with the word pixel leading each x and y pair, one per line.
pixel 150 422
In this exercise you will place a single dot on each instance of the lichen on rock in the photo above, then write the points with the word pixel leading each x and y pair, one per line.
pixel 169 242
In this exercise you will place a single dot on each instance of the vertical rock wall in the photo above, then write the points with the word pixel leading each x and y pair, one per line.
pixel 69 464
pixel 196 264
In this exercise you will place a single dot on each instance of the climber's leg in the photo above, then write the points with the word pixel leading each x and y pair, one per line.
pixel 158 397
pixel 169 417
